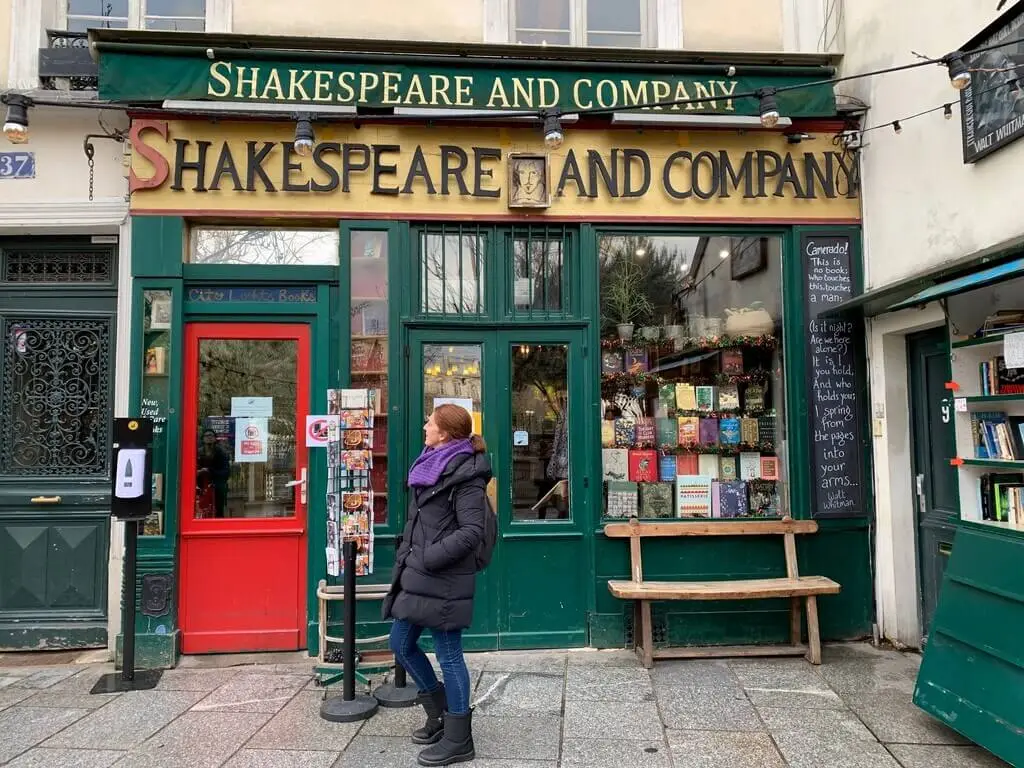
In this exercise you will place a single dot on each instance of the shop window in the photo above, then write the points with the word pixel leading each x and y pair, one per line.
pixel 263 246
pixel 155 404
pixel 175 15
pixel 369 352
pixel 614 23
pixel 451 261
pixel 693 424
pixel 538 272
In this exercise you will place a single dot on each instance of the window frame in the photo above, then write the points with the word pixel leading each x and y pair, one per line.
pixel 578 32
pixel 137 15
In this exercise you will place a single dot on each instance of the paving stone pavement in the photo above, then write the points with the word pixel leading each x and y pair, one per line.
pixel 593 709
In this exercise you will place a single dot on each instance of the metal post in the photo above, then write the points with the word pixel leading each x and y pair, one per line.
pixel 131 548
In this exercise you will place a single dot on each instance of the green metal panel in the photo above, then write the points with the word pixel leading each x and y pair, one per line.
pixel 158 246
pixel 972 673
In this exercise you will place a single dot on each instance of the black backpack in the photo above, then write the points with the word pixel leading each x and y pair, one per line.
pixel 485 549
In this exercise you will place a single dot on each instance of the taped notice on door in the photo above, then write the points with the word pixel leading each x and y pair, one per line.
pixel 251 439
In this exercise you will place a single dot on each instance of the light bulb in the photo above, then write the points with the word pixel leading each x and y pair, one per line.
pixel 304 136
pixel 959 75
pixel 553 135
pixel 769 108
pixel 947 111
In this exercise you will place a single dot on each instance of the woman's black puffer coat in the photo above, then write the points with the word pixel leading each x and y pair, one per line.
pixel 434 577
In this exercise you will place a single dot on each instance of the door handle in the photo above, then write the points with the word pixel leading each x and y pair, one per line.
pixel 301 482
pixel 46 499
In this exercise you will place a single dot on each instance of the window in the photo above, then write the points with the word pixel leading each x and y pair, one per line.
pixel 281 247
pixel 176 15
pixel 613 23
pixel 692 409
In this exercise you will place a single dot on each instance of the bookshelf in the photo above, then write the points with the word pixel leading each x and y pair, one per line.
pixel 989 426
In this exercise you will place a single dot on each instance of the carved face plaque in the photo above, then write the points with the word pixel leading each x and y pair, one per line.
pixel 528 181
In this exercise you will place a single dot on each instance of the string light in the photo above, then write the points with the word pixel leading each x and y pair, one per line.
pixel 897 127
pixel 959 75
pixel 768 108
pixel 947 111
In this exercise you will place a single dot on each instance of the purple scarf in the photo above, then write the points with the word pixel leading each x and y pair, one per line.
pixel 427 469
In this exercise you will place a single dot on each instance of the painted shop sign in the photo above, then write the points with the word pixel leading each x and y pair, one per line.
pixel 137 77
pixel 193 167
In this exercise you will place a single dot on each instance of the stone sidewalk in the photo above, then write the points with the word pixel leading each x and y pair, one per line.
pixel 598 709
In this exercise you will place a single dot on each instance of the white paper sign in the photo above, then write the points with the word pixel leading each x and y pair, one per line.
pixel 960 404
pixel 465 403
pixel 1013 350
pixel 252 406
pixel 520 437
pixel 319 428
pixel 251 439
pixel 131 471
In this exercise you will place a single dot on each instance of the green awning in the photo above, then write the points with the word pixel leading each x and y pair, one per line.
pixel 963 284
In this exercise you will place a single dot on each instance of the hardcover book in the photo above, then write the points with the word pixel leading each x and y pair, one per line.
pixel 693 496
pixel 622 499
pixel 705 398
pixel 687 464
pixel 748 431
pixel 611 361
pixel 645 432
pixel 709 431
pixel 689 430
pixel 729 431
pixel 656 500
pixel 607 433
pixel 707 464
pixel 643 466
pixel 636 360
pixel 766 424
pixel 625 432
pixel 668 431
pixel 729 398
pixel 733 499
pixel 667 400
pixel 727 467
pixel 716 498
pixel 667 468
pixel 615 463
pixel 731 361
pixel 686 397
pixel 750 466
pixel 769 468
pixel 753 398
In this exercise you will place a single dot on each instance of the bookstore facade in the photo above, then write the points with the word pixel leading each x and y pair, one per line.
pixel 630 316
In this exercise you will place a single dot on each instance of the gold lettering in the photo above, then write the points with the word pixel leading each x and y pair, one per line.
pixel 703 92
pixel 576 93
pixel 273 83
pixel 297 84
pixel 607 93
pixel 521 91
pixel 416 89
pixel 322 85
pixel 463 90
pixel 681 93
pixel 729 103
pixel 242 82
pixel 220 77
pixel 391 82
pixel 549 92
pixel 633 98
pixel 346 89
pixel 368 81
pixel 662 91
pixel 439 85
pixel 498 92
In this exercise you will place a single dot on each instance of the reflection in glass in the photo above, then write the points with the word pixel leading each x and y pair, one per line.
pixel 452 373
pixel 156 328
pixel 540 437
pixel 246 461
pixel 451 273
pixel 542 22
pixel 614 23
pixel 537 274
pixel 286 247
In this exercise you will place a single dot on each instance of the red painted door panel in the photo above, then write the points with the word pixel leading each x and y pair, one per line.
pixel 243 495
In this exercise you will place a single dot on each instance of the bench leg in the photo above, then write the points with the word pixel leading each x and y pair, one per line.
pixel 813 638
pixel 647 635
pixel 795 609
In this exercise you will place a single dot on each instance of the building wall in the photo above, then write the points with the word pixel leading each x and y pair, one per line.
pixel 5 39
pixel 707 28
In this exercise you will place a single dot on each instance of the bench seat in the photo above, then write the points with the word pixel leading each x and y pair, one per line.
pixel 745 589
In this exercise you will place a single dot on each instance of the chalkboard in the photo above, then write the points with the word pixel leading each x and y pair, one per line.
pixel 833 359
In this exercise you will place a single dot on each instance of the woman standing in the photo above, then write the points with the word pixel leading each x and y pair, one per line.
pixel 434 578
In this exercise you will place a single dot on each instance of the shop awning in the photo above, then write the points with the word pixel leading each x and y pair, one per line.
pixel 979 279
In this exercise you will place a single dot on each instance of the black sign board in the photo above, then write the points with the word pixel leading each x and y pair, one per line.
pixel 131 496
pixel 837 432
pixel 993 104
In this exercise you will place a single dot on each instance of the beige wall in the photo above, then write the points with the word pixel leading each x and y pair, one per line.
pixel 733 25
pixel 5 39
pixel 448 20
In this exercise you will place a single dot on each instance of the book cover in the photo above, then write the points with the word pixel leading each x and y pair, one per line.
pixel 693 496
pixel 705 398
pixel 615 463
pixel 643 466
pixel 667 468
pixel 622 499
pixel 727 467
pixel 646 435
pixel 731 361
pixel 753 397
pixel 666 400
pixel 636 361
pixel 156 360
pixel 686 397
pixel 766 424
pixel 687 464
pixel 667 431
pixel 729 398
pixel 769 468
pixel 656 500
pixel 708 431
pixel 748 431
pixel 729 431
pixel 607 433
pixel 707 464
pixel 716 498
pixel 1009 381
pixel 625 432
pixel 689 427
pixel 611 361
pixel 733 500
pixel 750 466
pixel 1017 433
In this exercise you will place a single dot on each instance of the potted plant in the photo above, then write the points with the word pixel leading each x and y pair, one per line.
pixel 625 297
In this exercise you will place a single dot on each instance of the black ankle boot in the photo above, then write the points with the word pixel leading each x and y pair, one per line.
pixel 457 744
pixel 434 704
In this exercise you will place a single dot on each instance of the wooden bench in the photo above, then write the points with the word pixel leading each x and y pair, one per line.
pixel 794 586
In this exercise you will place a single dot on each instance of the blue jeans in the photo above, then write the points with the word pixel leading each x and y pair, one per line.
pixel 448 646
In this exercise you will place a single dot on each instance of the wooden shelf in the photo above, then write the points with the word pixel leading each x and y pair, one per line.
pixel 1004 524
pixel 984 341
pixel 994 463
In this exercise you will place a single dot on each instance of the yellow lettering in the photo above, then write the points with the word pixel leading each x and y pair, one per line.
pixel 273 83
pixel 463 90
pixel 607 93
pixel 416 90
pixel 391 82
pixel 498 92
pixel 632 97
pixel 661 92
pixel 439 85
pixel 242 82
pixel 220 77
pixel 296 84
pixel 521 91
pixel 346 89
pixel 729 104
pixel 322 85
pixel 681 94
pixel 368 81
pixel 576 93
pixel 703 92
pixel 549 92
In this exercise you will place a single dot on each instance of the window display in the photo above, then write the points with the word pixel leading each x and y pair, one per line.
pixel 691 377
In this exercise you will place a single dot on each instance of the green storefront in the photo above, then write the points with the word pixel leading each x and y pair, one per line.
pixel 629 305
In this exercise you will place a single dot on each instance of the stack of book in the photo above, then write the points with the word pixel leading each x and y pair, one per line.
pixel 997 436
pixel 1002 497
pixel 997 379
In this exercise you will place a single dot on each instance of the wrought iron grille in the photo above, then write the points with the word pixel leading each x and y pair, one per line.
pixel 55 417
pixel 452 260
pixel 42 265
pixel 65 64
pixel 538 271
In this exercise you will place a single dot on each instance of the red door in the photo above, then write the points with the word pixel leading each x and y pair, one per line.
pixel 243 487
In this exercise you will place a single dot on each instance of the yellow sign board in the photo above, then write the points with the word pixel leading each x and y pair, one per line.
pixel 473 172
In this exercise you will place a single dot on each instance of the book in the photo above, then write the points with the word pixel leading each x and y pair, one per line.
pixel 1017 434
pixel 687 464
pixel 1009 381
pixel 622 499
pixel 686 397
pixel 693 496
pixel 733 500
pixel 625 432
pixel 750 466
pixel 643 466
pixel 707 464
pixel 368 355
pixel 748 431
pixel 708 431
pixel 667 468
pixel 769 468
pixel 156 360
pixel 611 361
pixel 989 485
pixel 607 433
pixel 667 431
pixel 615 463
pixel 729 431
pixel 646 434
pixel 729 398
pixel 689 430
pixel 766 426
pixel 731 361
pixel 636 360
pixel 666 401
pixel 728 467
pixel 716 498
pixel 753 398
pixel 705 398
pixel 656 500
